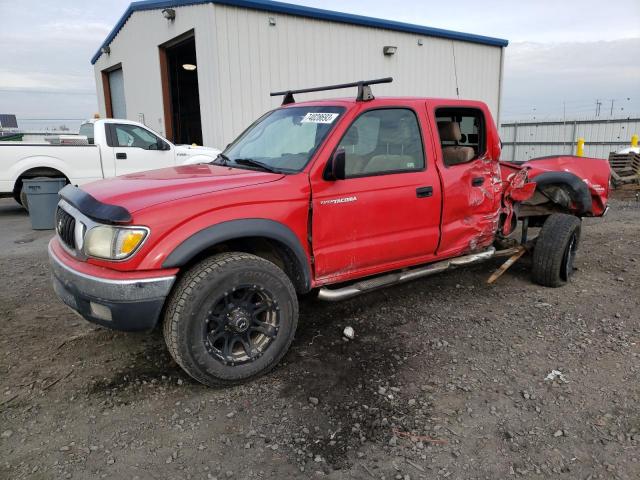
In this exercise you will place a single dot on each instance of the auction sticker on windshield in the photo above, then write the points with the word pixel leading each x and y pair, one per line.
pixel 317 117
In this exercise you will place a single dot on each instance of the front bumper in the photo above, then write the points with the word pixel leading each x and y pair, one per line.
pixel 121 304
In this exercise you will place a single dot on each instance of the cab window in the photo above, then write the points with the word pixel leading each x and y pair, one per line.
pixel 462 134
pixel 86 130
pixel 123 135
pixel 381 142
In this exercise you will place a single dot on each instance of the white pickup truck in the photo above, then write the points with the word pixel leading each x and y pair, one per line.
pixel 114 147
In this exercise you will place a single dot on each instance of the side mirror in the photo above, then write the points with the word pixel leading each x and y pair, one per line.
pixel 336 166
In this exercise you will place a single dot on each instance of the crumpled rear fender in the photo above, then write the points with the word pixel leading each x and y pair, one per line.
pixel 585 180
pixel 595 173
pixel 517 188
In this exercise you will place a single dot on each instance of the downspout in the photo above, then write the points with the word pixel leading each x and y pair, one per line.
pixel 500 88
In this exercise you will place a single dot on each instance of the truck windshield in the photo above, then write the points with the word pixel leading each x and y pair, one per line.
pixel 283 140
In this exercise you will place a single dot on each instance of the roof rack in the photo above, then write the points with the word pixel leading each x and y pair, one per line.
pixel 364 90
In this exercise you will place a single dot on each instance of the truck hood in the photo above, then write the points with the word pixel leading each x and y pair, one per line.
pixel 145 189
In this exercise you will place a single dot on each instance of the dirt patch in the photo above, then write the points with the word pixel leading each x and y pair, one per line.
pixel 445 379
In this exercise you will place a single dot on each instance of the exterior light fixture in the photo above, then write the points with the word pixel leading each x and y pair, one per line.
pixel 272 21
pixel 389 50
pixel 420 42
pixel 169 14
pixel 189 67
pixel 106 50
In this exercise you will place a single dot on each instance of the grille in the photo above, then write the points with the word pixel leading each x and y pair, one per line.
pixel 65 226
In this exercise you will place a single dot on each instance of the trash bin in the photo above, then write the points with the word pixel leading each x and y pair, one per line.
pixel 42 196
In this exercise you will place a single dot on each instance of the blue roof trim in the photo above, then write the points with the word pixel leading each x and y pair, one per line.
pixel 301 11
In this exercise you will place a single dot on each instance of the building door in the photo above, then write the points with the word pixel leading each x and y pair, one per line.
pixel 180 90
pixel 116 87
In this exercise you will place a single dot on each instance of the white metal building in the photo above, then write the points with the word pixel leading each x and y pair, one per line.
pixel 201 70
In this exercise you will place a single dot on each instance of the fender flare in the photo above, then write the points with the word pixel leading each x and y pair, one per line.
pixel 577 189
pixel 238 229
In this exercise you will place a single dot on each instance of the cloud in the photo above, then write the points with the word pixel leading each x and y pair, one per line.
pixel 30 81
pixel 544 75
pixel 68 32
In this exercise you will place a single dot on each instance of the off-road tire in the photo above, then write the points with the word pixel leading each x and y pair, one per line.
pixel 187 308
pixel 560 233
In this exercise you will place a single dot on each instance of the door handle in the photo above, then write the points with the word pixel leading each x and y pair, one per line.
pixel 121 156
pixel 477 181
pixel 422 192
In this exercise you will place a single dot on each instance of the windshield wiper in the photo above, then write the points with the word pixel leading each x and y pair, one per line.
pixel 250 162
pixel 224 160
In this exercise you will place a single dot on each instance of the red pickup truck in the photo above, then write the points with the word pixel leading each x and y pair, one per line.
pixel 335 197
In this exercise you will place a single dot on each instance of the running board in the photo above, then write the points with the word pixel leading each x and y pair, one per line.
pixel 335 295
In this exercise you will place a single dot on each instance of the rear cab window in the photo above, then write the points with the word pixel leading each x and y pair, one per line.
pixel 462 133
pixel 86 130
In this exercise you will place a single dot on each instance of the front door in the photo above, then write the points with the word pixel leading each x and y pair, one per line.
pixel 386 212
pixel 470 181
pixel 136 149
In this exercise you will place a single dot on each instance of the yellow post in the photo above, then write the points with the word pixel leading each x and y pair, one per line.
pixel 580 147
pixel 634 140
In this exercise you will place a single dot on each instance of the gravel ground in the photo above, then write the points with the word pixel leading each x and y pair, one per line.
pixel 445 379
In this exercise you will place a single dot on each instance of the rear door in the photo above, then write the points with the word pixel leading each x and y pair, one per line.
pixel 386 213
pixel 137 149
pixel 471 180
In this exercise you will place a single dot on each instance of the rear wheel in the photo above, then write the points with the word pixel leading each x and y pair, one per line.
pixel 22 199
pixel 555 250
pixel 231 318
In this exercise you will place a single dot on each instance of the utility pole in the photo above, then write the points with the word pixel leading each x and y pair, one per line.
pixel 598 104
pixel 612 100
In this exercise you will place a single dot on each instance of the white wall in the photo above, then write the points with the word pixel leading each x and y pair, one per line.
pixel 241 58
pixel 255 58
pixel 136 47
pixel 537 139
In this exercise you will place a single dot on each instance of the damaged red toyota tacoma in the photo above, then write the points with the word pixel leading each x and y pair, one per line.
pixel 334 197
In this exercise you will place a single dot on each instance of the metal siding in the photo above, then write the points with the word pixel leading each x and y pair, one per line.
pixel 241 59
pixel 301 11
pixel 256 58
pixel 616 132
pixel 136 48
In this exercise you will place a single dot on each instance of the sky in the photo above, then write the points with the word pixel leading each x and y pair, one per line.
pixel 563 55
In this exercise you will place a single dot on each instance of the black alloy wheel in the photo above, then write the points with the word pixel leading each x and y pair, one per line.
pixel 241 325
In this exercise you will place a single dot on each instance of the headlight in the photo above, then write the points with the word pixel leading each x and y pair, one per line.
pixel 113 243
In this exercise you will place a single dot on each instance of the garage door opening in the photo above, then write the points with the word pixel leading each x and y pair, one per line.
pixel 113 87
pixel 180 90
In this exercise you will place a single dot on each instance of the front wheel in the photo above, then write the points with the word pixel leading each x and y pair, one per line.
pixel 231 317
pixel 555 250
